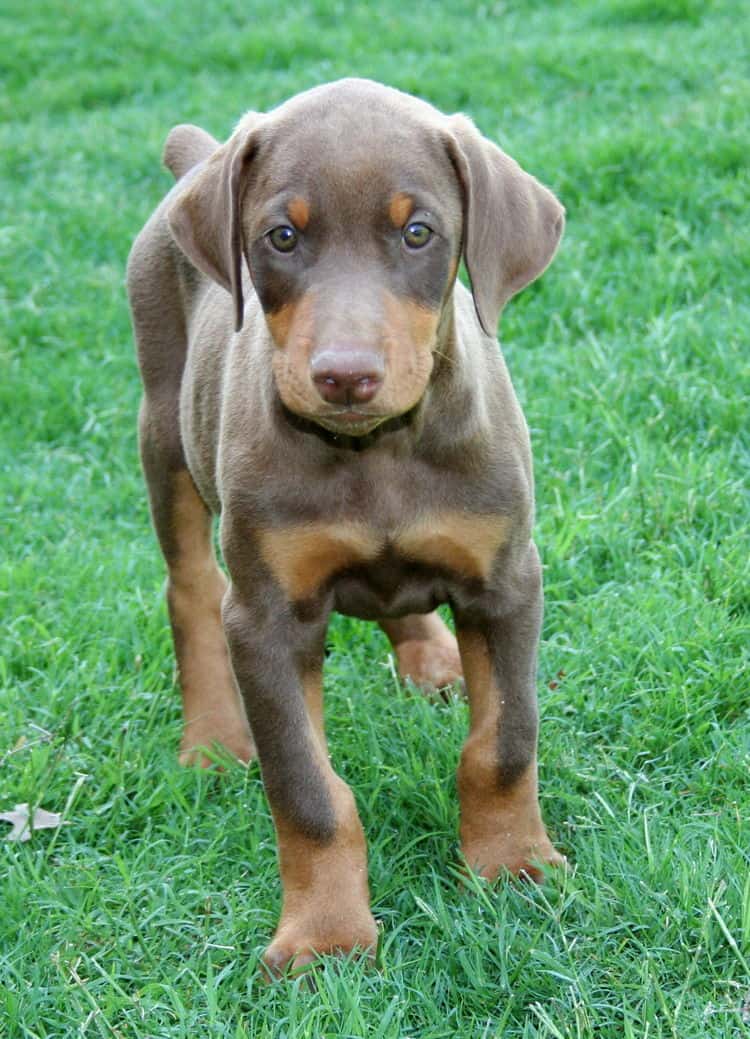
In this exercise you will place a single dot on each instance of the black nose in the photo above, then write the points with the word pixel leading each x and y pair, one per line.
pixel 343 376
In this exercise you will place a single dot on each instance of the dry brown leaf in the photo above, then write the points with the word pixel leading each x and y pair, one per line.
pixel 23 826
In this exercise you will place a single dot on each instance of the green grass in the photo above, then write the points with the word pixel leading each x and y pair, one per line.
pixel 145 916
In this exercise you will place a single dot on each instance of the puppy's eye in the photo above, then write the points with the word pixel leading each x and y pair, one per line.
pixel 417 235
pixel 283 238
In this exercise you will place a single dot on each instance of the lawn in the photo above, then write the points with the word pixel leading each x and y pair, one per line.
pixel 146 914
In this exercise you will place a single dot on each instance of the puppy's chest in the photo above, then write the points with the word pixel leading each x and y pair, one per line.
pixel 371 570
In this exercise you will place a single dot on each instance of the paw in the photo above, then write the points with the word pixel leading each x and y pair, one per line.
pixel 299 944
pixel 205 748
pixel 524 859
pixel 533 865
pixel 431 664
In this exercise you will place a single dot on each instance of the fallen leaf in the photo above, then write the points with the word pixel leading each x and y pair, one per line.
pixel 23 825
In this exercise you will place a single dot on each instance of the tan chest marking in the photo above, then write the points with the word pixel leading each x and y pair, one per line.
pixel 464 542
pixel 305 556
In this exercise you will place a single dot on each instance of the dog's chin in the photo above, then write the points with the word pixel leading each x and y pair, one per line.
pixel 349 423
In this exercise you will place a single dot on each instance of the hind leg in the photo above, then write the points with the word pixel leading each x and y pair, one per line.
pixel 212 708
pixel 426 650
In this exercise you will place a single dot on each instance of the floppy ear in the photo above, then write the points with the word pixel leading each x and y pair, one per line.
pixel 512 223
pixel 205 217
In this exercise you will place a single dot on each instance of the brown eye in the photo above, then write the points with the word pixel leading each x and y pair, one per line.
pixel 417 235
pixel 283 239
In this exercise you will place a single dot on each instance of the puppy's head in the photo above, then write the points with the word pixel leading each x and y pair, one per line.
pixel 351 205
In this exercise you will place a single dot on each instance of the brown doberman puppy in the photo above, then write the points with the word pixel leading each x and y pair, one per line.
pixel 314 372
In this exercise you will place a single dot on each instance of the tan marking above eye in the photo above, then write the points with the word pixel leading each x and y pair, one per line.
pixel 463 542
pixel 399 209
pixel 299 212
pixel 304 556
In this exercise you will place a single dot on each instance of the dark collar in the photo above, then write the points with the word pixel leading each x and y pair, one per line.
pixel 343 441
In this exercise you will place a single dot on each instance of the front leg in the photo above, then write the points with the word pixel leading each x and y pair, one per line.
pixel 277 660
pixel 501 824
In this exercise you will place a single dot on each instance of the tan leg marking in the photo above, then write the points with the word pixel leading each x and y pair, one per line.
pixel 426 650
pixel 312 685
pixel 500 829
pixel 326 898
pixel 211 704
